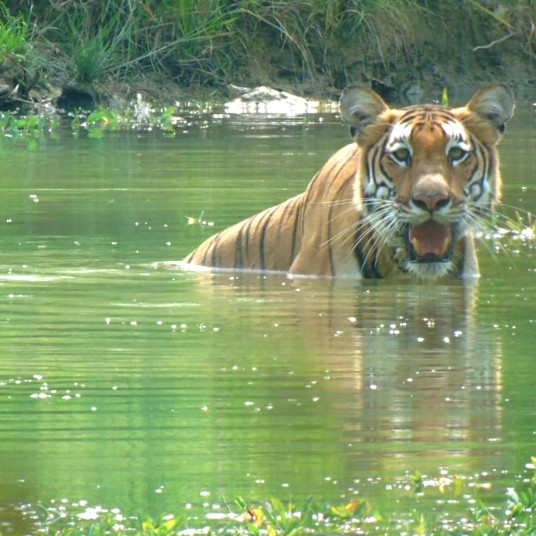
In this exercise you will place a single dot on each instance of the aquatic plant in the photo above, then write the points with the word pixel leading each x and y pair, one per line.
pixel 139 116
pixel 515 516
pixel 33 125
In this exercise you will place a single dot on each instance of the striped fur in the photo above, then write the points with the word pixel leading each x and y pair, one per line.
pixel 407 196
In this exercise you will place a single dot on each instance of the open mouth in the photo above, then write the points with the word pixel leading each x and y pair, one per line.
pixel 429 242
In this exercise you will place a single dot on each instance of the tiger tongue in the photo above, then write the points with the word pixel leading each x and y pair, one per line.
pixel 430 238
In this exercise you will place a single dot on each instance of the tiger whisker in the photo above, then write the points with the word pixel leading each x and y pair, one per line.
pixel 480 224
pixel 372 221
pixel 529 213
pixel 341 234
pixel 374 251
pixel 353 228
pixel 338 202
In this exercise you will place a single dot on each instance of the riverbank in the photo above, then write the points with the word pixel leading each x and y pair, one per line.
pixel 68 55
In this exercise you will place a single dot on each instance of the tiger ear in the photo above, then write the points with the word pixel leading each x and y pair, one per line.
pixel 495 104
pixel 359 107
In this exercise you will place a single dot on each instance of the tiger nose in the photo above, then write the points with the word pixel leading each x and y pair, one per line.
pixel 431 201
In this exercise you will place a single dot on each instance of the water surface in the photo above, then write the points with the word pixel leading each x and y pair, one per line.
pixel 128 385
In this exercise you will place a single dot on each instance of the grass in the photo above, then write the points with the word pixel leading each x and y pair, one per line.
pixel 14 34
pixel 515 516
pixel 93 36
pixel 215 42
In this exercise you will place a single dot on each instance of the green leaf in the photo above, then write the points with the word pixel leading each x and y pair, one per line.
pixel 445 97
pixel 277 506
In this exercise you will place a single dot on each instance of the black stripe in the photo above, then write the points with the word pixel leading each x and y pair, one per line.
pixel 425 110
pixel 205 256
pixel 329 172
pixel 289 209
pixel 367 271
pixel 289 205
pixel 331 218
pixel 485 171
pixel 461 262
pixel 247 226
pixel 295 234
pixel 379 150
pixel 369 164
pixel 262 238
pixel 239 259
pixel 342 166
pixel 215 244
pixel 330 248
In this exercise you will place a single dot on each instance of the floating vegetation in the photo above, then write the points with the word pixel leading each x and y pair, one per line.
pixel 27 126
pixel 140 116
pixel 515 515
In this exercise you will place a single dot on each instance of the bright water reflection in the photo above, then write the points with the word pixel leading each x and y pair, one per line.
pixel 133 386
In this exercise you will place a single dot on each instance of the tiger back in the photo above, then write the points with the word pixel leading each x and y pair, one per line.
pixel 406 196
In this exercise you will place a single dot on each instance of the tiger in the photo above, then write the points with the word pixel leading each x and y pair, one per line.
pixel 406 196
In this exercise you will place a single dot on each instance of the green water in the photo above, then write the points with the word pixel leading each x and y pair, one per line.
pixel 128 385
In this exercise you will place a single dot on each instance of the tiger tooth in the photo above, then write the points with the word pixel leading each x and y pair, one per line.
pixel 444 246
pixel 418 247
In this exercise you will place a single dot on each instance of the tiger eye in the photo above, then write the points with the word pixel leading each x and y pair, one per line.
pixel 401 155
pixel 456 153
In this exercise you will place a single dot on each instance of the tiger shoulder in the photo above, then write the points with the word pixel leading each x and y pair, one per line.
pixel 407 195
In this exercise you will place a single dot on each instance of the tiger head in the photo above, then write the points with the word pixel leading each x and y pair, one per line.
pixel 428 175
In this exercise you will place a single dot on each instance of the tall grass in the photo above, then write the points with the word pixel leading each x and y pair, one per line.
pixel 219 41
pixel 14 34
pixel 94 36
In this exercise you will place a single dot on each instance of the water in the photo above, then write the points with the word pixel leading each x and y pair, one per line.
pixel 124 384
